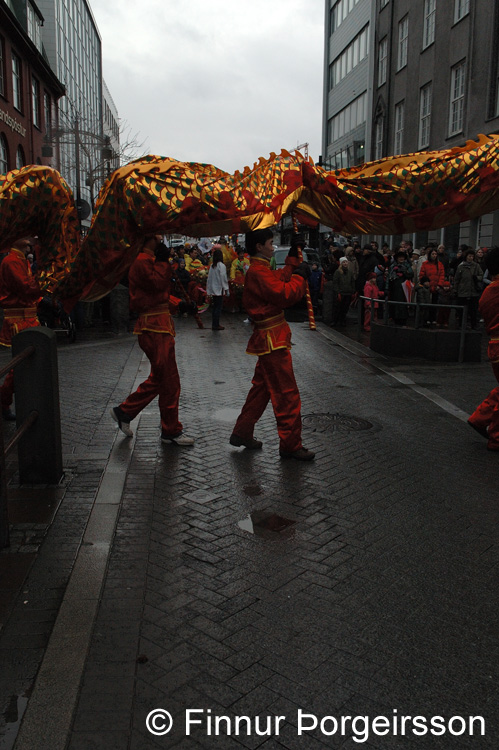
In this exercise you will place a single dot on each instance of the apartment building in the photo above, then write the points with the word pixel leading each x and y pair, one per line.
pixel 433 83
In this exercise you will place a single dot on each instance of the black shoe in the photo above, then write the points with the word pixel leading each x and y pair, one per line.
pixel 250 443
pixel 8 415
pixel 122 420
pixel 302 454
pixel 481 430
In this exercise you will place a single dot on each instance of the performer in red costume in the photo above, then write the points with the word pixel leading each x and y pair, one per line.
pixel 149 283
pixel 19 296
pixel 266 293
pixel 485 418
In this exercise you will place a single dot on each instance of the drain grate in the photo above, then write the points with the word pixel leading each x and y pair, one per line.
pixel 335 423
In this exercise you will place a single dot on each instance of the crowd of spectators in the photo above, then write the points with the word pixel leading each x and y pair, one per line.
pixel 429 276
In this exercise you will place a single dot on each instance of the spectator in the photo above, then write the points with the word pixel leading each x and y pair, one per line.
pixel 444 258
pixel 400 272
pixel 434 270
pixel 415 263
pixel 423 298
pixel 480 259
pixel 344 288
pixel 453 264
pixel 238 270
pixel 367 264
pixel 381 276
pixel 468 287
pixel 372 291
pixel 182 275
pixel 217 286
pixel 352 261
pixel 330 266
pixel 444 298
pixel 387 255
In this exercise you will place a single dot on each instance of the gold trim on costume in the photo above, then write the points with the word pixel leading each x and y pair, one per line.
pixel 19 313
pixel 267 323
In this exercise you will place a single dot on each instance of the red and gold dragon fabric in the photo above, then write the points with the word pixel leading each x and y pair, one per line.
pixel 397 195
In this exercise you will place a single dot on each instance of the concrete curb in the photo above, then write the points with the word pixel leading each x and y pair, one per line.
pixel 50 709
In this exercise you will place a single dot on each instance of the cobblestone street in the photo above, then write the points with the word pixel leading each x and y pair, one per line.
pixel 361 584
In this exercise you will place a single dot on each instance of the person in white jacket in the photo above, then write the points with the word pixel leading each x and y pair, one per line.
pixel 216 286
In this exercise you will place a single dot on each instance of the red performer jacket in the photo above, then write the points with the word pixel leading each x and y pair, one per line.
pixel 489 310
pixel 266 294
pixel 149 285
pixel 19 295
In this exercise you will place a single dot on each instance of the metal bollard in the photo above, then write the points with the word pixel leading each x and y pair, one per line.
pixel 36 387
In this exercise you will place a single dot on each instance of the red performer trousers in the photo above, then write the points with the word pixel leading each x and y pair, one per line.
pixel 274 379
pixel 487 414
pixel 163 381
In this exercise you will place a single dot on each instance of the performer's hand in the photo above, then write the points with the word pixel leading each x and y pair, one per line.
pixel 303 270
pixel 162 253
pixel 296 242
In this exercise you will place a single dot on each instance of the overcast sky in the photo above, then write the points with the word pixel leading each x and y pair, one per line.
pixel 221 82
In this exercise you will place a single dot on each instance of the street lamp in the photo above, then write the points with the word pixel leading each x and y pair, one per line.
pixel 86 142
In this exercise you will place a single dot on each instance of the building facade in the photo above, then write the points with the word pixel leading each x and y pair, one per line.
pixel 29 89
pixel 434 85
pixel 347 83
pixel 73 45
pixel 440 88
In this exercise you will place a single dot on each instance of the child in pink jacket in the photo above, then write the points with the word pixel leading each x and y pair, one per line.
pixel 370 290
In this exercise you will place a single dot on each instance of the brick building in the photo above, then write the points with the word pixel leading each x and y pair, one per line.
pixel 29 90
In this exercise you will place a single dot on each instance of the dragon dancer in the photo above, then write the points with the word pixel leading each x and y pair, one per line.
pixel 19 297
pixel 266 294
pixel 485 418
pixel 150 277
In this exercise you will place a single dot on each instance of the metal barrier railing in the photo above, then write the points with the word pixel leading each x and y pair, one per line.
pixel 38 433
pixel 419 307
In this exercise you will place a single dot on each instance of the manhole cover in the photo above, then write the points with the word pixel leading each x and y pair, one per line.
pixel 335 422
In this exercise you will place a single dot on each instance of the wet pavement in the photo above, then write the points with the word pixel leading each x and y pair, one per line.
pixel 228 581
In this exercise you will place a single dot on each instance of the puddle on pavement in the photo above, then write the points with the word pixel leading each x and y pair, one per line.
pixel 267 525
pixel 12 715
pixel 252 490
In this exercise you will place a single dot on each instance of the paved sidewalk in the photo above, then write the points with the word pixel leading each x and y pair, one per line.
pixel 380 595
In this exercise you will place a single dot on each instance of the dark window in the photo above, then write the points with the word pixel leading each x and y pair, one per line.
pixel 17 82
pixel 2 67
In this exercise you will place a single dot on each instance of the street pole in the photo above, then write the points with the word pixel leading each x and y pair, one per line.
pixel 77 162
